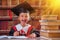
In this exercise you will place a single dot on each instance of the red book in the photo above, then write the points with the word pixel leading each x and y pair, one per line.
pixel 3 25
pixel 14 2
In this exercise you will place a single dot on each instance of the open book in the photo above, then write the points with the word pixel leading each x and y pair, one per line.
pixel 13 37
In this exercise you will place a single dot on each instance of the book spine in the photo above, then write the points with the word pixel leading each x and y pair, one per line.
pixel 0 2
pixel 4 3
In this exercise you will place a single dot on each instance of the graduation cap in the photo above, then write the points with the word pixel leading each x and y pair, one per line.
pixel 23 7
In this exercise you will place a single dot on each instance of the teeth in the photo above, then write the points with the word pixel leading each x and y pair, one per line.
pixel 24 20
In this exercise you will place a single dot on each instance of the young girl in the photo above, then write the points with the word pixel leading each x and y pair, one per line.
pixel 23 29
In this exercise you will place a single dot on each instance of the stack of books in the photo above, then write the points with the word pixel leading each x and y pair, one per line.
pixel 50 27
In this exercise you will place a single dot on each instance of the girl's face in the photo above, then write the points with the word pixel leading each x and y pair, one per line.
pixel 23 18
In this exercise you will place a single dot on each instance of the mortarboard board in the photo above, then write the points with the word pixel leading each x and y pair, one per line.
pixel 23 7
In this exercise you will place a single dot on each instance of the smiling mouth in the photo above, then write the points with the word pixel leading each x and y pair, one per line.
pixel 24 20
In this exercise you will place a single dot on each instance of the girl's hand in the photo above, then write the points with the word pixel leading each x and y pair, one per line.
pixel 16 33
pixel 33 35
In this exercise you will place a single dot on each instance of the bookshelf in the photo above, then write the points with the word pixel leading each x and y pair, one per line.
pixel 6 22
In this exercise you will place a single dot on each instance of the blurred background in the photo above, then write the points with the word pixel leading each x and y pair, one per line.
pixel 44 10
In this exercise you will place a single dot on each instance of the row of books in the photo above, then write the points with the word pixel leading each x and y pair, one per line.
pixel 16 2
pixel 6 25
pixel 9 3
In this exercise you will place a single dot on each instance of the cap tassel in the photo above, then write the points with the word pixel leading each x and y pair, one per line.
pixel 10 14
